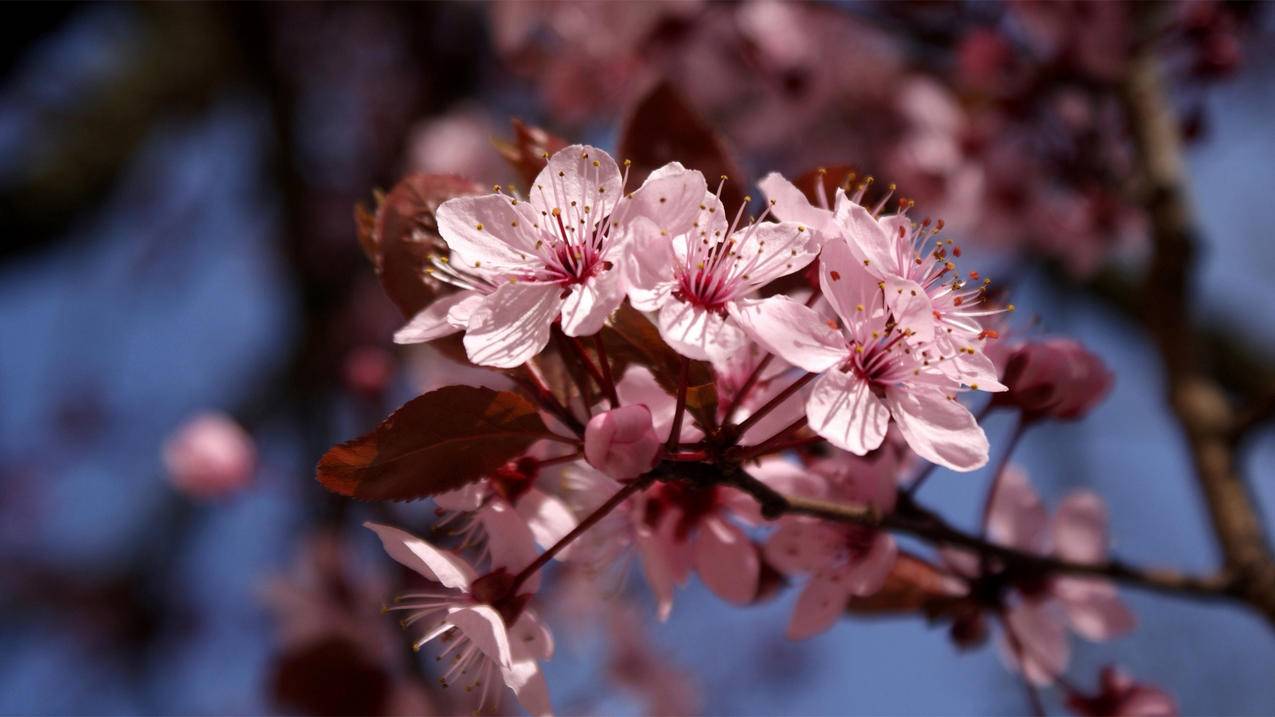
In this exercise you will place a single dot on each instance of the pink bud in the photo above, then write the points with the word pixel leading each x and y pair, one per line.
pixel 209 456
pixel 1055 378
pixel 621 443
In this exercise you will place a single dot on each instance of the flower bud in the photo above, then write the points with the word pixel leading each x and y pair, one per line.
pixel 1054 378
pixel 210 456
pixel 621 443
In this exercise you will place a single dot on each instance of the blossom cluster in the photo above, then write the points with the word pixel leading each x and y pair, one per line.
pixel 665 360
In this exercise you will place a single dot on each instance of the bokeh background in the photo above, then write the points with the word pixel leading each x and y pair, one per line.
pixel 177 185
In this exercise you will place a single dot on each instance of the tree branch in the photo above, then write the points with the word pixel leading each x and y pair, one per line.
pixel 1201 406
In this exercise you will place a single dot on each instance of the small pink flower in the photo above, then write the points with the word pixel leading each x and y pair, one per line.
pixel 514 487
pixel 622 442
pixel 488 630
pixel 694 278
pixel 871 369
pixel 210 456
pixel 842 560
pixel 1038 611
pixel 1120 696
pixel 1054 378
pixel 552 256
pixel 684 528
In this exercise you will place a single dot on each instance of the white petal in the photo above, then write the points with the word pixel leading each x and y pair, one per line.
pixel 512 325
pixel 589 304
pixel 793 331
pixel 853 292
pixel 766 251
pixel 489 234
pixel 648 267
pixel 669 199
pixel 412 552
pixel 432 321
pixel 790 205
pixel 938 428
pixel 867 239
pixel 843 409
pixel 570 176
pixel 486 629
pixel 698 333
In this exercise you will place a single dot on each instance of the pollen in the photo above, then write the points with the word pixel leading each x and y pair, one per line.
pixel 478 226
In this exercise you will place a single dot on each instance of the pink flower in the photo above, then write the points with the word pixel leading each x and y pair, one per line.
pixel 1054 378
pixel 553 255
pixel 488 630
pixel 1038 610
pixel 622 442
pixel 513 488
pixel 842 560
pixel 694 278
pixel 684 527
pixel 210 456
pixel 871 372
pixel 1120 696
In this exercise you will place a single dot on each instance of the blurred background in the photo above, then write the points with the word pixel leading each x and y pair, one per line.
pixel 188 323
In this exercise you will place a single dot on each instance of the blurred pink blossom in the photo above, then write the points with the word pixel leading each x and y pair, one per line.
pixel 622 442
pixel 210 456
pixel 1119 695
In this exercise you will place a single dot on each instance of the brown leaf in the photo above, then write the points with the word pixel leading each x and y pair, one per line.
pixel 663 128
pixel 913 586
pixel 404 234
pixel 437 442
pixel 526 151
pixel 631 338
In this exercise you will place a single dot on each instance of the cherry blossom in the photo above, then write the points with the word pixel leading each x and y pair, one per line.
pixel 209 456
pixel 683 528
pixel 622 443
pixel 1038 610
pixel 870 371
pixel 488 632
pixel 842 560
pixel 553 255
pixel 694 278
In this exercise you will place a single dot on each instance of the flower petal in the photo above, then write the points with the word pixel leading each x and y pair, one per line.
pixel 801 545
pixel 548 518
pixel 509 541
pixel 669 198
pixel 1080 528
pixel 489 233
pixel 853 292
pixel 727 561
pixel 1016 516
pixel 432 321
pixel 766 251
pixel 821 602
pixel 421 557
pixel 589 304
pixel 866 575
pixel 1041 637
pixel 795 332
pixel 578 173
pixel 843 409
pixel 911 307
pixel 789 204
pixel 697 333
pixel 1094 608
pixel 486 629
pixel 868 241
pixel 648 267
pixel 512 325
pixel 938 428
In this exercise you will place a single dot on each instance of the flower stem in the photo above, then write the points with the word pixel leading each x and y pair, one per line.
pixel 779 442
pixel 675 431
pixel 541 393
pixel 747 388
pixel 590 520
pixel 1020 427
pixel 608 384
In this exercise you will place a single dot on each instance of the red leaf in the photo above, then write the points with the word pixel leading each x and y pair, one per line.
pixel 913 586
pixel 403 235
pixel 526 151
pixel 663 128
pixel 437 442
